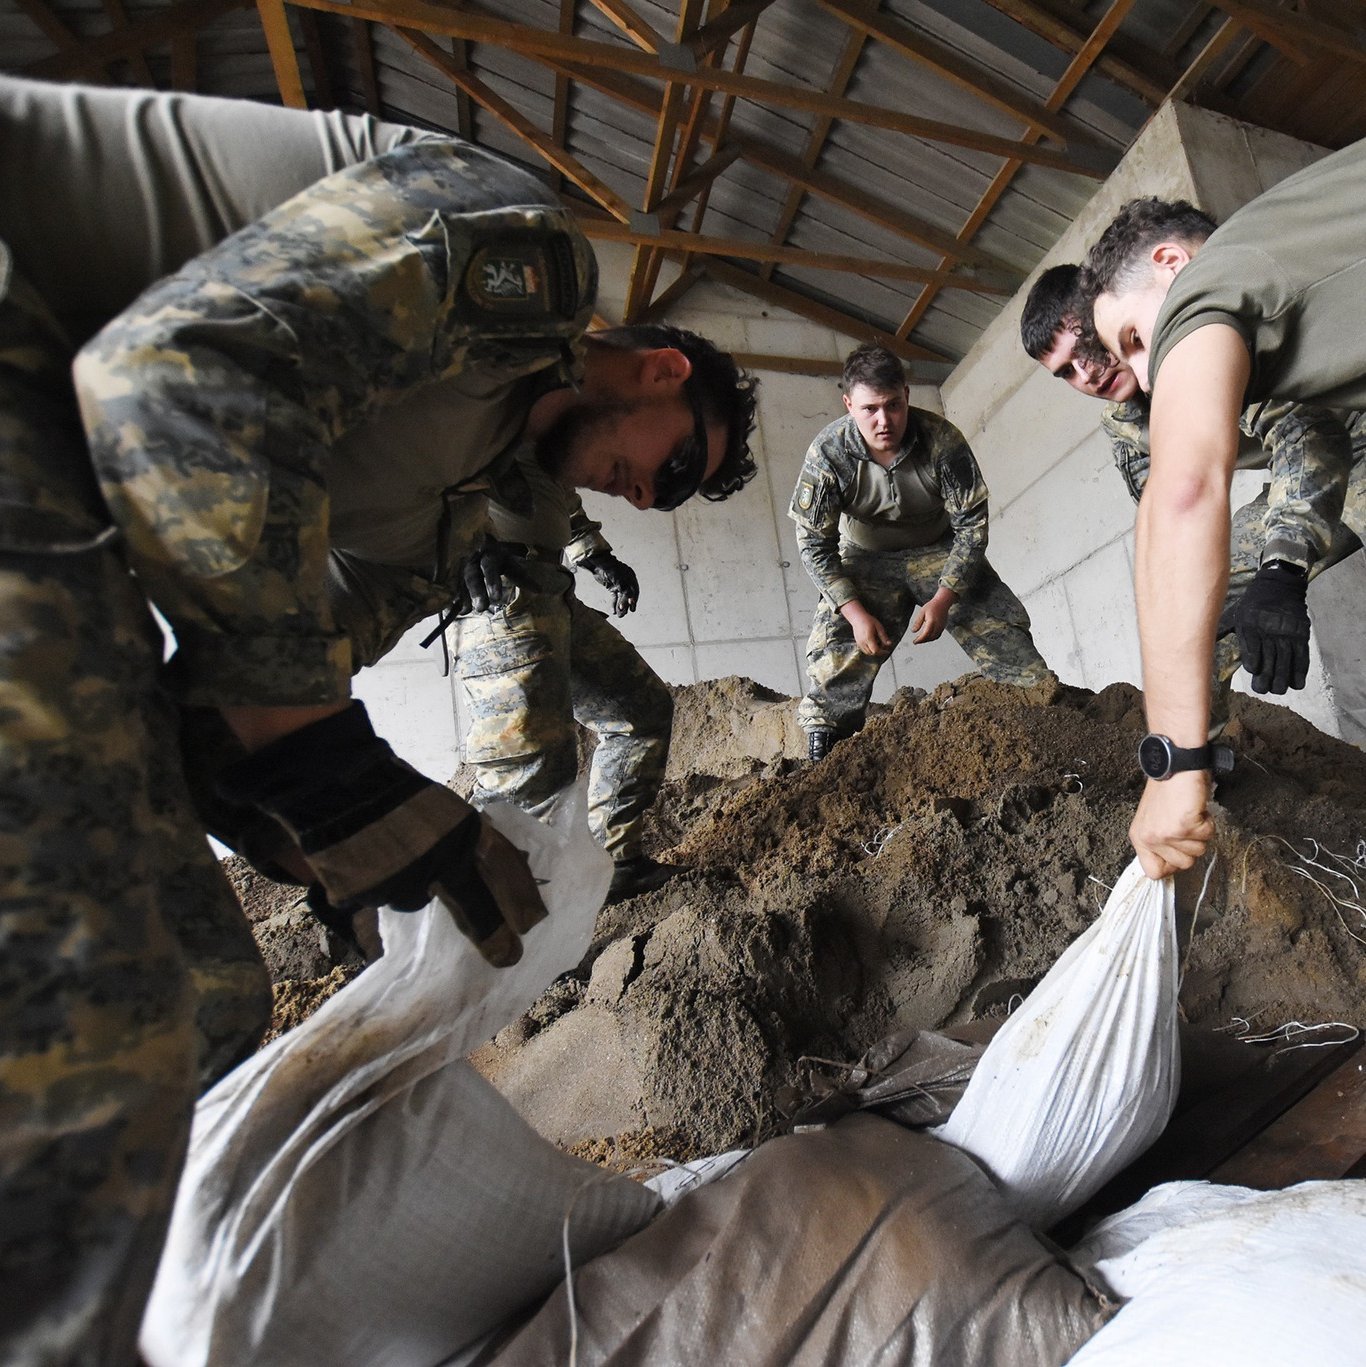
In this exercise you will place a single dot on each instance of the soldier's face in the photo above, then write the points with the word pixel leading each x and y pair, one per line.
pixel 1127 317
pixel 881 416
pixel 621 448
pixel 1111 381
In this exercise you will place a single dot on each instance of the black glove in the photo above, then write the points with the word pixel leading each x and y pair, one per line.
pixel 378 833
pixel 618 578
pixel 483 577
pixel 1272 623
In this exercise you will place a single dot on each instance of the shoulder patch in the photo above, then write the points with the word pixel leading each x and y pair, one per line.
pixel 806 495
pixel 520 275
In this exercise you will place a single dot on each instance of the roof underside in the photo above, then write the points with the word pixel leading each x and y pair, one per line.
pixel 894 169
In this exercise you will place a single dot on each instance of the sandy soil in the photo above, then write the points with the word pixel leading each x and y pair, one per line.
pixel 929 871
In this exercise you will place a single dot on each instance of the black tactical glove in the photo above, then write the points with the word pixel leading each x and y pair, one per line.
pixel 378 833
pixel 618 578
pixel 484 577
pixel 1272 623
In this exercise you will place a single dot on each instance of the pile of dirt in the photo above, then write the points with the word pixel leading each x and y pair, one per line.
pixel 927 873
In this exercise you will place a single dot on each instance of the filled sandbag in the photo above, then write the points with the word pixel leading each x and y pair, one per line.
pixel 1084 1076
pixel 862 1242
pixel 356 1195
pixel 1236 1278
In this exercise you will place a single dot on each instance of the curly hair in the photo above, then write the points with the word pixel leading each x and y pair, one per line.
pixel 727 394
pixel 1050 306
pixel 1119 258
pixel 874 366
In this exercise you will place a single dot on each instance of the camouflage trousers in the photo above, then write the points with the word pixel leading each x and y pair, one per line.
pixel 989 622
pixel 120 933
pixel 528 672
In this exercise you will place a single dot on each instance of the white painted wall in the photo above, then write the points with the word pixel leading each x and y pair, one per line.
pixel 722 589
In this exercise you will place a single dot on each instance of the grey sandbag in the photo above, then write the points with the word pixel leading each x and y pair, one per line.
pixel 864 1242
pixel 914 1077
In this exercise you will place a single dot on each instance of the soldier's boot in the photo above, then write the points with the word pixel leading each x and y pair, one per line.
pixel 639 874
pixel 818 742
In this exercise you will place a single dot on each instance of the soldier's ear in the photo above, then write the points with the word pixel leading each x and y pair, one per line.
pixel 663 367
pixel 848 406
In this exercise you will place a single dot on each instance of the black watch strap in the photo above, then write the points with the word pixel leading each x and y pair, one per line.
pixel 1159 758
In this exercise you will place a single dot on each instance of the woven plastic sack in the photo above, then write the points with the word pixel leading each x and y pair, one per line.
pixel 1083 1077
pixel 356 1193
pixel 1235 1278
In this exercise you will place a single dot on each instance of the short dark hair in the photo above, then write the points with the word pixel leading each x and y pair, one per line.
pixel 1119 259
pixel 1051 305
pixel 875 366
pixel 726 393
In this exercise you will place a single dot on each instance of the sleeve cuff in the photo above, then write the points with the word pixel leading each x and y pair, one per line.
pixel 1296 552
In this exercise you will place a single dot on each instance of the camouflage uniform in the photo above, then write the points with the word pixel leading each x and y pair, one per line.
pixel 532 668
pixel 1311 513
pixel 214 410
pixel 890 538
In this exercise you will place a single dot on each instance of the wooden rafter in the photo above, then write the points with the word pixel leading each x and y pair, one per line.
pixel 283 58
pixel 630 23
pixel 787 365
pixel 782 297
pixel 545 45
pixel 1224 37
pixel 717 32
pixel 317 60
pixel 94 54
pixel 544 146
pixel 142 73
pixel 559 117
pixel 671 239
pixel 950 66
pixel 363 42
pixel 1067 83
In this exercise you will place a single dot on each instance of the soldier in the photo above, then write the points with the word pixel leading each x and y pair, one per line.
pixel 531 666
pixel 891 516
pixel 239 447
pixel 1310 515
pixel 1269 306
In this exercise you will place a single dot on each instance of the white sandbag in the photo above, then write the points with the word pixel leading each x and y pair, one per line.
pixel 1274 1279
pixel 1083 1077
pixel 355 1193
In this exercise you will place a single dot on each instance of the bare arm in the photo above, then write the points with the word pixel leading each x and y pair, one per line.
pixel 1181 575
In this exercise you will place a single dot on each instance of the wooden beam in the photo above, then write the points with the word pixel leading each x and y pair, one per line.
pixel 1289 33
pixel 630 23
pixel 1146 81
pixel 88 60
pixel 559 117
pixel 783 298
pixel 280 43
pixel 541 44
pixel 363 42
pixel 944 62
pixel 317 60
pixel 878 268
pixel 697 180
pixel 717 32
pixel 185 62
pixel 50 25
pixel 544 146
pixel 660 305
pixel 889 216
pixel 787 365
pixel 1067 83
pixel 142 73
pixel 1223 38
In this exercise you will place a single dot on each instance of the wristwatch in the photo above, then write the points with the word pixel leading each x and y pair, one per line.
pixel 1159 758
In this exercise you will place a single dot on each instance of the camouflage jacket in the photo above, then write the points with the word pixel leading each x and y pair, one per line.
pixel 1309 453
pixel 830 476
pixel 217 405
pixel 557 521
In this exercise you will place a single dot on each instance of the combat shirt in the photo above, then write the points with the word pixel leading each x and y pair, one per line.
pixel 842 492
pixel 218 404
pixel 1308 451
pixel 1288 273
pixel 557 522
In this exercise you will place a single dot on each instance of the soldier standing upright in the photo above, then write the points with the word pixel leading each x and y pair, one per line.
pixel 891 516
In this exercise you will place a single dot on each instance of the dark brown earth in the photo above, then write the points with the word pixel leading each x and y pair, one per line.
pixel 927 872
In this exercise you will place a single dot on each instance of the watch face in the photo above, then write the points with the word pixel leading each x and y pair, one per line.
pixel 1153 756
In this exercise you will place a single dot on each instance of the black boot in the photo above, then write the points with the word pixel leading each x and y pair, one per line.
pixel 818 743
pixel 631 877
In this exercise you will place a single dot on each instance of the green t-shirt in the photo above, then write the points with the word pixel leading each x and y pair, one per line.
pixel 1288 272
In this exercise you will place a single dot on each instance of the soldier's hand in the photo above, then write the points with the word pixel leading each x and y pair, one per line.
pixel 1172 826
pixel 618 578
pixel 484 579
pixel 869 634
pixel 1272 622
pixel 379 833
